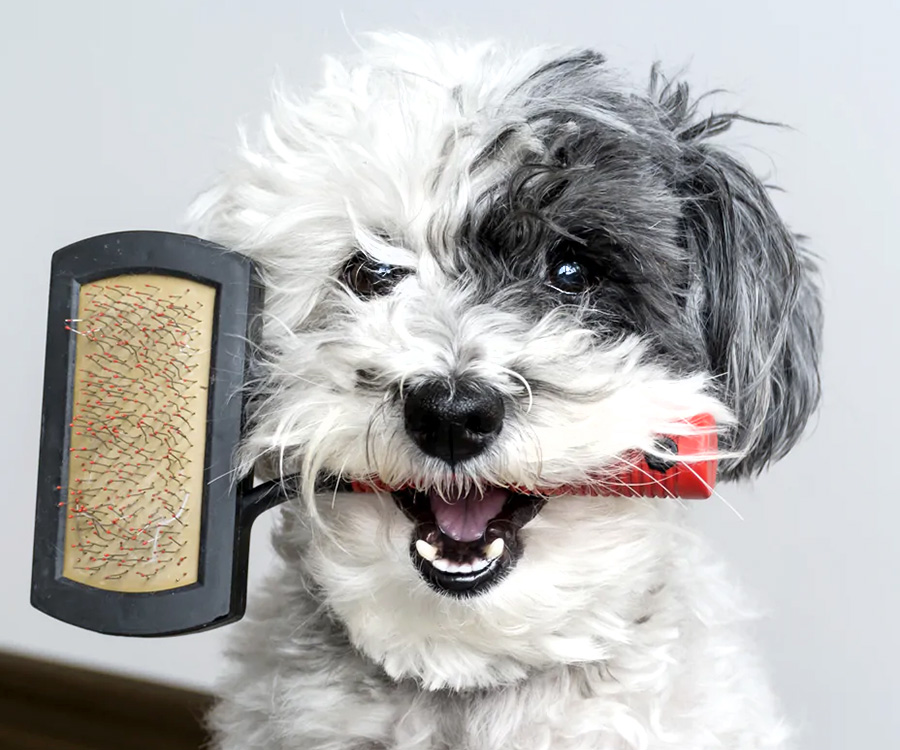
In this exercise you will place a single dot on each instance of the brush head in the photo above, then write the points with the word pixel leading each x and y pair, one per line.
pixel 140 528
pixel 137 435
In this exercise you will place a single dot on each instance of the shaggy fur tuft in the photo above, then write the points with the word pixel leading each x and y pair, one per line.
pixel 478 183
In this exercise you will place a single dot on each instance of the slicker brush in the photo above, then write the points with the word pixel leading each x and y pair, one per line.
pixel 141 528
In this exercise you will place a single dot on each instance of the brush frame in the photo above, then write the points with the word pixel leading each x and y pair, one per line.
pixel 228 508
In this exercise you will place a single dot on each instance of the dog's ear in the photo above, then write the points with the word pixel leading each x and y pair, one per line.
pixel 758 298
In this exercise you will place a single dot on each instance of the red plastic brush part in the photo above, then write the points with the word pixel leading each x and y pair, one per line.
pixel 692 479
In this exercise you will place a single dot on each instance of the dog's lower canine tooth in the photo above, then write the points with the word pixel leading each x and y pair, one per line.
pixel 494 549
pixel 426 550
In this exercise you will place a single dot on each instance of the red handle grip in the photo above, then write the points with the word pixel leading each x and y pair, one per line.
pixel 691 479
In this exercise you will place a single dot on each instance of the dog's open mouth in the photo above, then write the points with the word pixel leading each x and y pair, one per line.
pixel 463 544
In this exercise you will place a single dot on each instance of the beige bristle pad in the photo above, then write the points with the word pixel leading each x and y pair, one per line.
pixel 138 432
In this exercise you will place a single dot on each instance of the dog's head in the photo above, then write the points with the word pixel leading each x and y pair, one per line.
pixel 488 270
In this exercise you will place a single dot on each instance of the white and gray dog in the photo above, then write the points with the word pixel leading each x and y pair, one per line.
pixel 489 269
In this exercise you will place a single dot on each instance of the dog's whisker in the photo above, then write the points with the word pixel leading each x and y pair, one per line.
pixel 714 492
pixel 517 376
pixel 652 480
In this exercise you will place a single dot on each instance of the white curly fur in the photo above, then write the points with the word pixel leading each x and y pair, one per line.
pixel 616 629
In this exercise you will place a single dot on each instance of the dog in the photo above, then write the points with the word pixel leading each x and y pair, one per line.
pixel 489 268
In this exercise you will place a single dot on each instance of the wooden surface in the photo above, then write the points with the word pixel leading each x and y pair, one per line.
pixel 49 706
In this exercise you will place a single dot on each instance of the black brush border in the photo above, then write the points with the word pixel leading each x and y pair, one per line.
pixel 219 595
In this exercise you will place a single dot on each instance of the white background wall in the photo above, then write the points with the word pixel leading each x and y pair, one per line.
pixel 113 115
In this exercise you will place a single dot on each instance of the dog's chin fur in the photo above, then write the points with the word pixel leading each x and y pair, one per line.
pixel 558 608
pixel 468 168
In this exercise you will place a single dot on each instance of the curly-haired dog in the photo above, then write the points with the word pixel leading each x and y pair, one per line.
pixel 489 269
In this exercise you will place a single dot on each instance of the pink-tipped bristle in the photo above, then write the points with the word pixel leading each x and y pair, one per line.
pixel 140 386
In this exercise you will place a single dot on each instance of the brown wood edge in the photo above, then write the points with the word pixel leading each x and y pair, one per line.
pixel 53 706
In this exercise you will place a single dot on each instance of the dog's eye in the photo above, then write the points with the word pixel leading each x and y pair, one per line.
pixel 568 277
pixel 371 278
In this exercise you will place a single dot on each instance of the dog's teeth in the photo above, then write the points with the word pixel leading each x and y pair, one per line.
pixel 452 566
pixel 426 550
pixel 494 549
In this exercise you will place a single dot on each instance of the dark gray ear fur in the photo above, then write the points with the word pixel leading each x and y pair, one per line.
pixel 759 302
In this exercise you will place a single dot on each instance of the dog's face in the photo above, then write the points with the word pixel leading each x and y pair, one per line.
pixel 490 271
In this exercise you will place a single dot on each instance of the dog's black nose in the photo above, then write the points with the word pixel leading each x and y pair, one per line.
pixel 453 420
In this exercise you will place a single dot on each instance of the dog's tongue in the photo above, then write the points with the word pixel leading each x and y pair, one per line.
pixel 464 518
